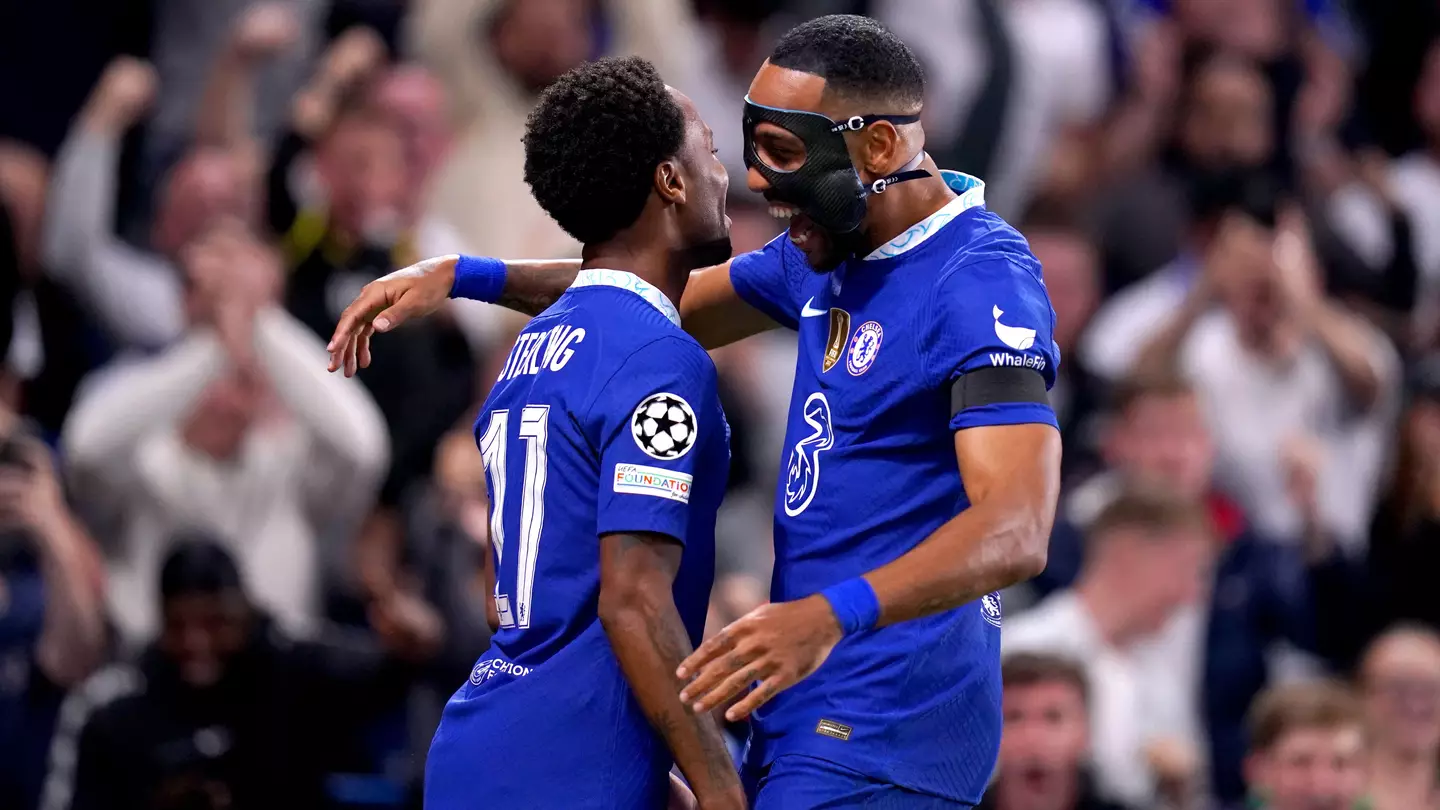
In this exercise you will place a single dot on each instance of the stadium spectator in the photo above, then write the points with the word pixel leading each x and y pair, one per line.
pixel 134 295
pixel 1362 211
pixel 494 56
pixel 1406 523
pixel 1307 749
pixel 1293 384
pixel 1020 101
pixel 1045 747
pixel 1268 596
pixel 52 622
pixel 1071 267
pixel 223 709
pixel 47 354
pixel 343 191
pixel 1223 106
pixel 235 429
pixel 1130 618
pixel 1400 686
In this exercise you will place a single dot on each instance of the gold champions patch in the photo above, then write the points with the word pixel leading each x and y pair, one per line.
pixel 839 333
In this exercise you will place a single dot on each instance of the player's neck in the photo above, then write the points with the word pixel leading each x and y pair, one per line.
pixel 904 204
pixel 653 263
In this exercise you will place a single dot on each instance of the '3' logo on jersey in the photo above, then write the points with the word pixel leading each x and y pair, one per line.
pixel 802 471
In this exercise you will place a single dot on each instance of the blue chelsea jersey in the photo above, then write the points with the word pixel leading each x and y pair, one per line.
pixel 870 471
pixel 605 418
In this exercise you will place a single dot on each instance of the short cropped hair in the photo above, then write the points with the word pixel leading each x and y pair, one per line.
pixel 1035 668
pixel 197 563
pixel 1280 710
pixel 1143 385
pixel 593 141
pixel 858 58
pixel 1151 509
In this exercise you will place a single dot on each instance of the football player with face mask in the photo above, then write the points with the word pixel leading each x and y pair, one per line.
pixel 923 456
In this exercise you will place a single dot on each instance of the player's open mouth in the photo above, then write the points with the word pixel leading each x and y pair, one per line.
pixel 802 228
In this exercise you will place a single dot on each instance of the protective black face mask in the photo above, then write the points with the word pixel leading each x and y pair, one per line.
pixel 826 186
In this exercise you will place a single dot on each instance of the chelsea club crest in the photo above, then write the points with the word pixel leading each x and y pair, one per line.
pixel 990 607
pixel 864 347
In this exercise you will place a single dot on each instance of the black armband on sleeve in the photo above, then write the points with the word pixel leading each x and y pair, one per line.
pixel 993 386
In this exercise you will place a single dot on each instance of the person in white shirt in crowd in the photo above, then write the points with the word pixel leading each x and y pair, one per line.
pixel 1283 371
pixel 1224 125
pixel 235 430
pixel 1400 688
pixel 1307 749
pixel 134 292
pixel 1148 558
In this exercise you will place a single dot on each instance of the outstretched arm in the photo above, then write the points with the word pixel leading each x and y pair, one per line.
pixel 1012 476
pixel 637 610
pixel 714 313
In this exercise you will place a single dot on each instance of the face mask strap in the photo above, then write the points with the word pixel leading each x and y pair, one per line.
pixel 855 123
pixel 907 172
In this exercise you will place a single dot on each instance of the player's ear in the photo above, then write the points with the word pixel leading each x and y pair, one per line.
pixel 880 145
pixel 668 182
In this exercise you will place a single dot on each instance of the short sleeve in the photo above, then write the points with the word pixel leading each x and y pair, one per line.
pixel 992 314
pixel 654 419
pixel 769 279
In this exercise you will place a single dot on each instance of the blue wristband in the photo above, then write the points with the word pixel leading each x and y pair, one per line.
pixel 478 278
pixel 854 604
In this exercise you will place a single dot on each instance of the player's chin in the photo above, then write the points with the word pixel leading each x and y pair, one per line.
pixel 824 251
pixel 706 253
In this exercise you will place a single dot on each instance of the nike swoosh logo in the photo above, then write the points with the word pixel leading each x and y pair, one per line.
pixel 808 311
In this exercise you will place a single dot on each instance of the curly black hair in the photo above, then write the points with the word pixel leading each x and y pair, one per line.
pixel 859 59
pixel 593 141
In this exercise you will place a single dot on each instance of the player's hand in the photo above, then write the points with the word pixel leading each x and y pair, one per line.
pixel 776 644
pixel 384 304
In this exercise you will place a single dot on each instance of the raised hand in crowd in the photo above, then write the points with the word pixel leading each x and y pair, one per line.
pixel 122 97
pixel 32 507
pixel 265 30
pixel 353 55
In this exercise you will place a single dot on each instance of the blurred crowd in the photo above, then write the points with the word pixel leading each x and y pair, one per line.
pixel 231 580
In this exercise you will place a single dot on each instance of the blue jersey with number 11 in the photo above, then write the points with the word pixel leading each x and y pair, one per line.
pixel 605 419
pixel 870 472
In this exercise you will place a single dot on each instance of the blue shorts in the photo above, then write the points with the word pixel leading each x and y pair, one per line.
pixel 795 780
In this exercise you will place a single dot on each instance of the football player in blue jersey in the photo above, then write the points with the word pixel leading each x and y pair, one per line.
pixel 923 456
pixel 606 454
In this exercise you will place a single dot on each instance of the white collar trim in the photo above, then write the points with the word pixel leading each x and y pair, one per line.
pixel 972 194
pixel 631 283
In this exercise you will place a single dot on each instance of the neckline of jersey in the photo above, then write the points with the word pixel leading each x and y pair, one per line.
pixel 621 279
pixel 971 194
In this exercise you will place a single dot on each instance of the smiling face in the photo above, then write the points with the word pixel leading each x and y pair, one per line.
pixel 785 151
pixel 813 178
